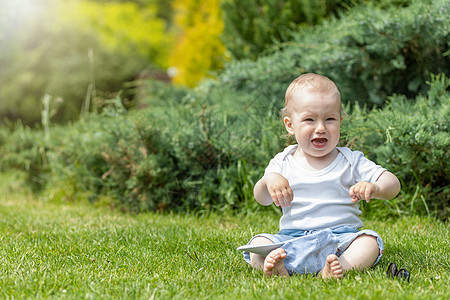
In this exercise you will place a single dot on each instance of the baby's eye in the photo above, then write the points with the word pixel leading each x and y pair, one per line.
pixel 308 120
pixel 331 119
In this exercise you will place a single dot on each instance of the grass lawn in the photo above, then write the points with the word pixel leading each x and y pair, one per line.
pixel 64 250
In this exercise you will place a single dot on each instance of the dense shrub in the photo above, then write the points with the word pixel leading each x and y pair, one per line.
pixel 142 174
pixel 117 154
pixel 370 53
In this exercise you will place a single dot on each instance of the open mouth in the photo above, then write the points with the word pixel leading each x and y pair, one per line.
pixel 319 143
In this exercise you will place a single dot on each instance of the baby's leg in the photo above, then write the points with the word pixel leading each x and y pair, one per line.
pixel 272 264
pixel 361 253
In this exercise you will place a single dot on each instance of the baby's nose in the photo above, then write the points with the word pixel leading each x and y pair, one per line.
pixel 320 127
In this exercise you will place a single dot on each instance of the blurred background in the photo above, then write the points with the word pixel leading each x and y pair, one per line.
pixel 82 51
pixel 78 52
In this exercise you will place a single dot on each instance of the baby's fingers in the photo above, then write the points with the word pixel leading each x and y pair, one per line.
pixel 288 196
pixel 277 197
pixel 352 194
pixel 368 194
pixel 282 197
pixel 364 192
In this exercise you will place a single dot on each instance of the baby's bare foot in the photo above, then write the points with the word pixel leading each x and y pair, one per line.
pixel 332 268
pixel 273 263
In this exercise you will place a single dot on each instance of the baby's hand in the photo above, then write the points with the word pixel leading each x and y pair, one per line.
pixel 362 191
pixel 279 189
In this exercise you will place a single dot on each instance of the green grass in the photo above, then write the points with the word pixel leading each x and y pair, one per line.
pixel 67 250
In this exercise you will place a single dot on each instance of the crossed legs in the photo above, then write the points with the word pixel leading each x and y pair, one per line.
pixel 361 254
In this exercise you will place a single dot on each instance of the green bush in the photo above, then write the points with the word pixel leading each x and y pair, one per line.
pixel 141 174
pixel 115 154
pixel 370 53
pixel 252 27
pixel 75 159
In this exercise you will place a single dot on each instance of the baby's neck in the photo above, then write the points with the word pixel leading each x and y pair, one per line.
pixel 315 163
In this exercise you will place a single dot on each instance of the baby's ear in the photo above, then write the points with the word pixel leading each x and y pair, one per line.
pixel 288 125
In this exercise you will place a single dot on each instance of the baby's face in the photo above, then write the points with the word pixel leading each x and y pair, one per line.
pixel 314 119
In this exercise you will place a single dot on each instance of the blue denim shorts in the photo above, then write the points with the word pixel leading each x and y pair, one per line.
pixel 307 249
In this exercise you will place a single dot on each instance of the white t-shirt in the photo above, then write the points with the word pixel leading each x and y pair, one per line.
pixel 321 198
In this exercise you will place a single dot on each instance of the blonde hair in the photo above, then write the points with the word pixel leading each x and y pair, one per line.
pixel 310 82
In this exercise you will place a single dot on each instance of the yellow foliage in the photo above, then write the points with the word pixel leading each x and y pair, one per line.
pixel 122 26
pixel 198 49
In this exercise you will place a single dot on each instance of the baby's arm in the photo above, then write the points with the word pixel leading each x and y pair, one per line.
pixel 273 187
pixel 386 187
